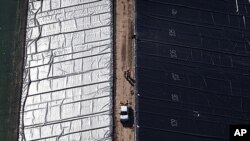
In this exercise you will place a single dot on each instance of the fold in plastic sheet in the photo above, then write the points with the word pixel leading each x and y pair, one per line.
pixel 67 84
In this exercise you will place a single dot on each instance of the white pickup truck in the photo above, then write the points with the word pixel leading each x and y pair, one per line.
pixel 124 112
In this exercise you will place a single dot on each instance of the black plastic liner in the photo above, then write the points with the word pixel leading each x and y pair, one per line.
pixel 192 68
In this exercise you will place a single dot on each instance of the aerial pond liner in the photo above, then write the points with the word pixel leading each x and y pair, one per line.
pixel 67 84
pixel 192 68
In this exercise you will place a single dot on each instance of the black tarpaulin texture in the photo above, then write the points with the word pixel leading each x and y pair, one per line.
pixel 192 68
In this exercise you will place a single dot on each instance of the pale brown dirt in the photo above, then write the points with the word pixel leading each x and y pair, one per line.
pixel 123 56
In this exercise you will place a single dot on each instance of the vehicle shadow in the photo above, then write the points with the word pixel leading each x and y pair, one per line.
pixel 129 123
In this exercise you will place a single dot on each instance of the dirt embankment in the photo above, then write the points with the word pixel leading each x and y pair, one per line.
pixel 123 67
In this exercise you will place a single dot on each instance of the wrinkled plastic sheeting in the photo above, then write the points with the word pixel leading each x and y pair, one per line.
pixel 67 84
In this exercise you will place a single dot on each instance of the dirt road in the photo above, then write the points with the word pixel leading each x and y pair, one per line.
pixel 124 67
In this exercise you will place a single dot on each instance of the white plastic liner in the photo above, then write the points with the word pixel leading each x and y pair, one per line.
pixel 67 84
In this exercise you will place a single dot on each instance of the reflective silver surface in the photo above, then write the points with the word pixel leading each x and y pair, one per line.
pixel 67 84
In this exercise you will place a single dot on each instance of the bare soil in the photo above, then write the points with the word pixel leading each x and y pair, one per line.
pixel 124 68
